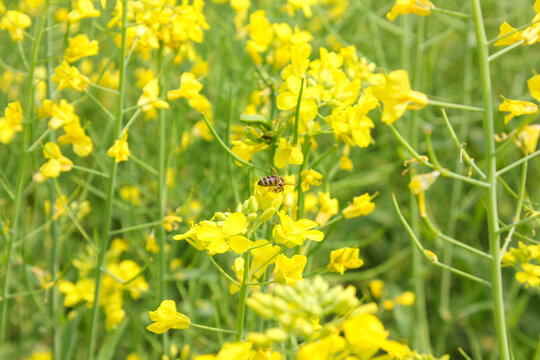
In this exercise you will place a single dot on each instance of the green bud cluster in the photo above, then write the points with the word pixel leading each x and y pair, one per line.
pixel 299 309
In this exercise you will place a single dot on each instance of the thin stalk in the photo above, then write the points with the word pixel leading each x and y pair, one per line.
pixel 519 207
pixel 242 300
pixel 210 328
pixel 301 195
pixel 105 235
pixel 21 174
pixel 448 105
pixel 54 229
pixel 457 14
pixel 420 329
pixel 220 269
pixel 517 163
pixel 505 50
pixel 520 222
pixel 161 197
pixel 426 256
pixel 491 191
pixel 297 113
pixel 460 147
pixel 444 172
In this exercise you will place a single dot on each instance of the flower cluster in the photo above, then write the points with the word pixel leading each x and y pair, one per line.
pixel 527 259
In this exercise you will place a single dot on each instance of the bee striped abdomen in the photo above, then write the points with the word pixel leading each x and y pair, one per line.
pixel 271 180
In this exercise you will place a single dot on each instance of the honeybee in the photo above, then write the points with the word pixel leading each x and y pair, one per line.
pixel 274 183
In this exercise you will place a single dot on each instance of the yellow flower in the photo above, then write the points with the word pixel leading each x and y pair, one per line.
pixel 15 22
pixel 289 92
pixel 388 305
pixel 293 233
pixel 531 34
pixel 57 162
pixel 310 177
pixel 418 7
pixel 60 114
pixel 419 184
pixel 149 101
pixel 361 205
pixel 534 87
pixel 83 290
pixel 343 259
pixel 286 153
pixel 329 208
pixel 41 355
pixel 328 347
pixel 365 333
pixel 527 139
pixel 376 288
pixel 166 317
pixel 504 29
pixel 305 5
pixel 219 237
pixel 246 151
pixel 190 88
pixel 151 245
pixel 170 222
pixel 300 59
pixel 405 299
pixel 517 108
pixel 80 46
pixel 131 194
pixel 120 150
pixel 69 77
pixel 75 135
pixel 397 96
pixel 82 9
pixel 266 198
pixel 289 270
pixel 530 276
pixel 143 77
pixel 263 255
pixel 11 123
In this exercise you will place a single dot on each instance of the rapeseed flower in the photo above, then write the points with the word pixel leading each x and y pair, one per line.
pixel 376 288
pixel 329 208
pixel 120 150
pixel 419 184
pixel 15 22
pixel 69 77
pixel 57 162
pixel 527 139
pixel 287 153
pixel 304 5
pixel 396 95
pixel 418 7
pixel 289 270
pixel 343 259
pixel 406 299
pixel 83 9
pixel 82 290
pixel 166 317
pixel 80 46
pixel 149 101
pixel 517 108
pixel 75 135
pixel 329 347
pixel 293 233
pixel 310 177
pixel 219 237
pixel 361 205
pixel 11 122
pixel 530 276
pixel 60 114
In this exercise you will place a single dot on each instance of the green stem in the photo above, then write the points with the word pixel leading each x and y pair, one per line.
pixel 444 172
pixel 297 114
pixel 105 235
pixel 505 50
pixel 519 207
pixel 210 328
pixel 21 174
pixel 136 227
pixel 220 269
pixel 460 147
pixel 457 14
pixel 426 255
pixel 242 300
pixel 161 196
pixel 491 191
pixel 516 163
pixel 448 105
pixel 224 146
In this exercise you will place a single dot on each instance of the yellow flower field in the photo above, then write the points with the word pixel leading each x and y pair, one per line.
pixel 269 180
